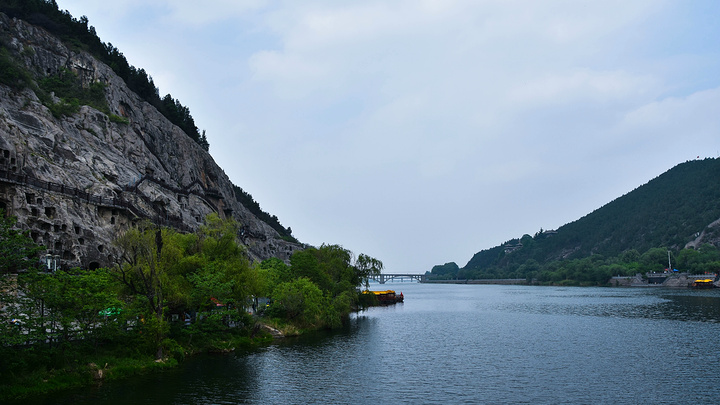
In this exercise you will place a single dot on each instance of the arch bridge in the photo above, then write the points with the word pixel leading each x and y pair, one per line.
pixel 385 277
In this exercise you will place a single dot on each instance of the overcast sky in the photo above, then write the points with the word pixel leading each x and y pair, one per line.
pixel 420 132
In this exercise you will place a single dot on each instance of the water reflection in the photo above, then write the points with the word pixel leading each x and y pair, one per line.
pixel 678 304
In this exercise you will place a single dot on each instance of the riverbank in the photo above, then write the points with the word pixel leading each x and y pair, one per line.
pixel 40 371
pixel 676 280
pixel 83 371
pixel 503 281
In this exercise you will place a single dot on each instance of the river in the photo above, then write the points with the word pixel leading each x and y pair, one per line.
pixel 468 344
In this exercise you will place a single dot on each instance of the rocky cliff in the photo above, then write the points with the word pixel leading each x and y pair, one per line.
pixel 77 181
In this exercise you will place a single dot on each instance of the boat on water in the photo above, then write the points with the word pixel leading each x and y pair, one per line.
pixel 386 297
pixel 703 283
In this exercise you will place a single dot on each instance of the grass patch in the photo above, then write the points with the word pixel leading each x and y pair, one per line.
pixel 11 74
pixel 68 88
pixel 118 119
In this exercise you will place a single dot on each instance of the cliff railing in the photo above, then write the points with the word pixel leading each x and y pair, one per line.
pixel 117 202
pixel 186 190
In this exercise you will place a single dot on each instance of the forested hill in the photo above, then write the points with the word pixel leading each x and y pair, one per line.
pixel 671 211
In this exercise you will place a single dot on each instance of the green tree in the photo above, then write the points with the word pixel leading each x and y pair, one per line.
pixel 299 300
pixel 529 269
pixel 148 257
pixel 447 271
pixel 66 305
pixel 654 260
pixel 226 274
pixel 268 274
pixel 17 250
pixel 367 267
pixel 306 264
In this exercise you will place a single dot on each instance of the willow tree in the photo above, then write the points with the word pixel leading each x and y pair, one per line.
pixel 367 267
pixel 148 258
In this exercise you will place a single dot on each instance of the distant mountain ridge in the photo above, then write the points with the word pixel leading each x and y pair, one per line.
pixel 678 209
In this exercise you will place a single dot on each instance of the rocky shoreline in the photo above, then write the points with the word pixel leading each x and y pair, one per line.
pixel 674 280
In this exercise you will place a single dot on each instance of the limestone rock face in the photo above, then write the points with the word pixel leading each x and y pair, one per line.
pixel 78 181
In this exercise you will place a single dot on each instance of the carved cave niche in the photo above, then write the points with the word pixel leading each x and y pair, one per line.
pixel 160 206
pixel 67 255
pixel 4 157
pixel 125 109
pixel 211 176
pixel 3 207
pixel 30 198
pixel 94 265
pixel 101 248
pixel 50 212
pixel 104 213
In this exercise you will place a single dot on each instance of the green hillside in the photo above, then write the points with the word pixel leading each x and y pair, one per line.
pixel 630 234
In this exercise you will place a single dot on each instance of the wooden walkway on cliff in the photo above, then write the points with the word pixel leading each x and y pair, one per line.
pixel 117 202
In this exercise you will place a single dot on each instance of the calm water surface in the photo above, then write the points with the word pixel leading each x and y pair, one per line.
pixel 469 344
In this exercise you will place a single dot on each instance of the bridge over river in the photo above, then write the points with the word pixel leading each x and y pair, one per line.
pixel 385 277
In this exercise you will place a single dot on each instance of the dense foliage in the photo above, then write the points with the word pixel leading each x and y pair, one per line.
pixel 169 294
pixel 77 33
pixel 17 249
pixel 596 269
pixel 629 235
